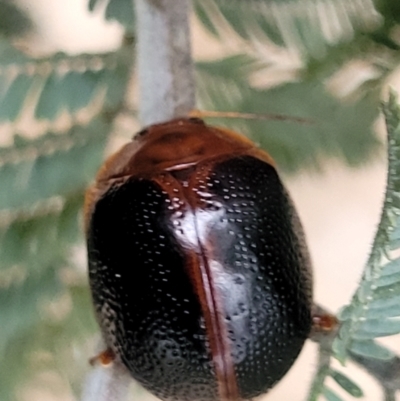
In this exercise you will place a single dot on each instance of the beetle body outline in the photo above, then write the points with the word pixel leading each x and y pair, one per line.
pixel 198 267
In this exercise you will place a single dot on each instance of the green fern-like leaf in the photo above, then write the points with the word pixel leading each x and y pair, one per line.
pixel 33 251
pixel 373 311
pixel 60 82
pixel 346 383
pixel 72 92
pixel 44 177
pixel 14 97
pixel 40 222
pixel 55 165
pixel 19 315
pixel 35 331
pixel 322 36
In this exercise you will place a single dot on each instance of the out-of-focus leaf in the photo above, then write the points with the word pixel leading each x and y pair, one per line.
pixel 41 239
pixel 14 97
pixel 13 20
pixel 308 26
pixel 390 11
pixel 79 88
pixel 336 128
pixel 43 180
pixel 330 395
pixel 119 10
pixel 62 340
pixel 49 104
pixel 53 166
pixel 347 384
pixel 70 83
pixel 27 331
pixel 122 11
pixel 93 4
pixel 10 55
pixel 20 313
pixel 205 18
pixel 388 279
pixel 19 367
pixel 389 308
pixel 19 303
pixel 377 328
pixel 392 267
pixel 371 349
pixel 68 339
pixel 326 35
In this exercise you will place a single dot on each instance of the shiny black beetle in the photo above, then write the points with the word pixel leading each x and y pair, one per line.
pixel 199 273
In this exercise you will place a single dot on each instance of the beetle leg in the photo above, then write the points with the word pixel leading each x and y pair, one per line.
pixel 324 323
pixel 105 358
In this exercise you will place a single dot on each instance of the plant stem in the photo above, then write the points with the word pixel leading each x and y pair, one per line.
pixel 165 66
pixel 107 384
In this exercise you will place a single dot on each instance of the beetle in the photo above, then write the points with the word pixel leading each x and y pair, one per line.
pixel 198 267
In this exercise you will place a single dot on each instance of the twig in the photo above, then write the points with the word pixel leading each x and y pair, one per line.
pixel 165 65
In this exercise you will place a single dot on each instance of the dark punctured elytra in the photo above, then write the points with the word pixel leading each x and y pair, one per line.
pixel 198 268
